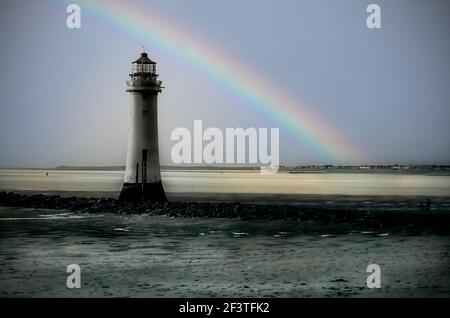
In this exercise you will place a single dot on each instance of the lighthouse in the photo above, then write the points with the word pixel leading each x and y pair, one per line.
pixel 142 179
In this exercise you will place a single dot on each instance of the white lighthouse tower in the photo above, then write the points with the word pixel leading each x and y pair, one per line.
pixel 142 175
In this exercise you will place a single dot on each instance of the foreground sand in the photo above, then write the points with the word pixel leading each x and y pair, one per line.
pixel 159 256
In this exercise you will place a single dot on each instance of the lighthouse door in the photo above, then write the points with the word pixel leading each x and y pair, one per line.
pixel 144 169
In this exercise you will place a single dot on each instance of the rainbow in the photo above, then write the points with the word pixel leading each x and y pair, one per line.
pixel 250 87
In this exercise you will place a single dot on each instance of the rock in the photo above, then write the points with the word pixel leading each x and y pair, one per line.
pixel 366 220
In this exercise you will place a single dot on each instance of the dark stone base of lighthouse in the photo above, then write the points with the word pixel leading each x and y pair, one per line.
pixel 143 192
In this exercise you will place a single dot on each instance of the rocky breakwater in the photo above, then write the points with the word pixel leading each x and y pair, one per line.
pixel 393 220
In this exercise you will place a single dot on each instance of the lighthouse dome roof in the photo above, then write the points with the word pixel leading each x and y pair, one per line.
pixel 143 59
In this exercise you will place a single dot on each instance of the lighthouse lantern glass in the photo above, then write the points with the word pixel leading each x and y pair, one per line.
pixel 143 68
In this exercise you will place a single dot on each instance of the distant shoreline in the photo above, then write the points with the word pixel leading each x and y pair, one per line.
pixel 419 170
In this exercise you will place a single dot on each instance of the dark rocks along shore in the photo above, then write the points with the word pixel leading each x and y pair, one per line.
pixel 422 219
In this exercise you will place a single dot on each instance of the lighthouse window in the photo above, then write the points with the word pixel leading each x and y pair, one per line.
pixel 137 68
pixel 144 68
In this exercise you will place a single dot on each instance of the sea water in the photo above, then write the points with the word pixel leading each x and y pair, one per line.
pixel 158 256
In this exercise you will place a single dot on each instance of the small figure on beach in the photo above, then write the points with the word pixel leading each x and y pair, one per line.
pixel 428 204
pixel 46 173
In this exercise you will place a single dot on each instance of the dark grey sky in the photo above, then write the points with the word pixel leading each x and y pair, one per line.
pixel 387 91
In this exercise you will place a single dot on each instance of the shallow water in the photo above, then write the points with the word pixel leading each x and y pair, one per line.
pixel 359 191
pixel 242 182
pixel 137 256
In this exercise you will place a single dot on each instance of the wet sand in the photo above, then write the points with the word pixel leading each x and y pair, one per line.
pixel 160 256
pixel 321 250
